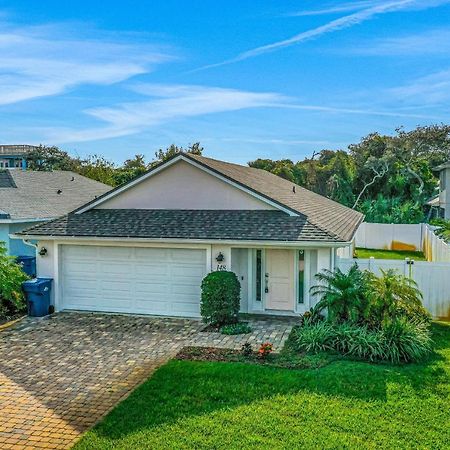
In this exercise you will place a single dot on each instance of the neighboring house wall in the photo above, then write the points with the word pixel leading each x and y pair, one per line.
pixel 16 247
pixel 4 235
pixel 444 191
pixel 183 186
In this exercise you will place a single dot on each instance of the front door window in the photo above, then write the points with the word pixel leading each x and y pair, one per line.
pixel 301 277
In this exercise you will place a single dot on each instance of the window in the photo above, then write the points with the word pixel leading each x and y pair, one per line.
pixel 258 275
pixel 301 276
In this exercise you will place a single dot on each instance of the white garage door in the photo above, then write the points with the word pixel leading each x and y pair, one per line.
pixel 163 281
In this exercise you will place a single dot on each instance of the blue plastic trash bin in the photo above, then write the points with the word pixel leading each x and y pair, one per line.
pixel 38 292
pixel 28 264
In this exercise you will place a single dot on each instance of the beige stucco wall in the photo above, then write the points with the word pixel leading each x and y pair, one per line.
pixel 183 186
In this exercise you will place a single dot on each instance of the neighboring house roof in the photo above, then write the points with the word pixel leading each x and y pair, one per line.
pixel 314 217
pixel 45 195
pixel 433 201
pixel 184 224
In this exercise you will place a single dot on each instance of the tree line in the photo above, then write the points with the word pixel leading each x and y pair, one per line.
pixel 387 177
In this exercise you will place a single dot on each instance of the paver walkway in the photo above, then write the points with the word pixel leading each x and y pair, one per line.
pixel 60 375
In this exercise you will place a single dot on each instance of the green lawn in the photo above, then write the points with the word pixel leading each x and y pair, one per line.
pixel 389 254
pixel 213 405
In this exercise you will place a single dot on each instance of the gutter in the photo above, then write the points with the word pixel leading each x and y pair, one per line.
pixel 34 219
pixel 235 243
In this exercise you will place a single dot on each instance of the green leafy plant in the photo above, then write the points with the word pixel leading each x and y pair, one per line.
pixel 343 294
pixel 398 341
pixel 357 341
pixel 236 328
pixel 405 341
pixel 220 299
pixel 12 276
pixel 393 296
pixel 443 230
pixel 314 337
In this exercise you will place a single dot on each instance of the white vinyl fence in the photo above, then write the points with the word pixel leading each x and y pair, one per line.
pixel 416 237
pixel 433 279
pixel 434 248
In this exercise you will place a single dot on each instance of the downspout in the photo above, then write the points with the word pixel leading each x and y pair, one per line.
pixel 26 242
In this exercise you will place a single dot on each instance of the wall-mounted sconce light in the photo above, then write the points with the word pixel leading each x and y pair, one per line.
pixel 43 251
pixel 220 258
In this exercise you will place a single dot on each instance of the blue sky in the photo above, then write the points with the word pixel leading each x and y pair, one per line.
pixel 247 79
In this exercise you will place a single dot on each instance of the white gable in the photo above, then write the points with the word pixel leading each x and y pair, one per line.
pixel 183 186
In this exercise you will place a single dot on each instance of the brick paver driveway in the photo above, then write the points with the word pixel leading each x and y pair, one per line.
pixel 60 375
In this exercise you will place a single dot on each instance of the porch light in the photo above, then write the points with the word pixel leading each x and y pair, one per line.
pixel 43 251
pixel 220 257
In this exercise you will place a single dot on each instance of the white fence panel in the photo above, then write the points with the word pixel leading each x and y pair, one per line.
pixel 434 248
pixel 389 236
pixel 432 278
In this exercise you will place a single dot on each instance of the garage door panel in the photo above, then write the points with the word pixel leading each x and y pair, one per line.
pixel 133 280
pixel 178 271
pixel 151 289
pixel 185 309
pixel 187 255
pixel 152 270
pixel 156 254
pixel 120 253
pixel 155 305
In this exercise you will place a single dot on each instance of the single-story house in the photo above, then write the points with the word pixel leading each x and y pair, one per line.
pixel 145 247
pixel 30 197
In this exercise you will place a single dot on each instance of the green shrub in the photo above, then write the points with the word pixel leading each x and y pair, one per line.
pixel 220 298
pixel 405 341
pixel 364 298
pixel 392 296
pixel 12 299
pixel 357 341
pixel 314 337
pixel 342 294
pixel 236 328
pixel 398 341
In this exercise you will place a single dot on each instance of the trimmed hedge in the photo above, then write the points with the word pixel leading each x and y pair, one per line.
pixel 220 302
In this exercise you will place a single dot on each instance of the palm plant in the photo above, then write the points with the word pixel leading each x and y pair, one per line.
pixel 393 295
pixel 342 294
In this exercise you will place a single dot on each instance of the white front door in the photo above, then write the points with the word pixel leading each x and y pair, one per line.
pixel 280 280
pixel 142 280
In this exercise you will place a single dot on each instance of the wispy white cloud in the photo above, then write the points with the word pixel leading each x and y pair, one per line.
pixel 37 61
pixel 433 89
pixel 167 103
pixel 336 8
pixel 163 103
pixel 431 42
pixel 333 26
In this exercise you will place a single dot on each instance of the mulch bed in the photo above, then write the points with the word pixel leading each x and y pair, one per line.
pixel 281 360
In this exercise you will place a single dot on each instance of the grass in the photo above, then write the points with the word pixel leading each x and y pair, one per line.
pixel 345 404
pixel 363 253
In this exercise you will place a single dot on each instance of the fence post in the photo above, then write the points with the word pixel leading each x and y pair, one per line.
pixel 371 261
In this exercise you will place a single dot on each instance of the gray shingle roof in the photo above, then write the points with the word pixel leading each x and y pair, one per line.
pixel 184 224
pixel 328 215
pixel 34 194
